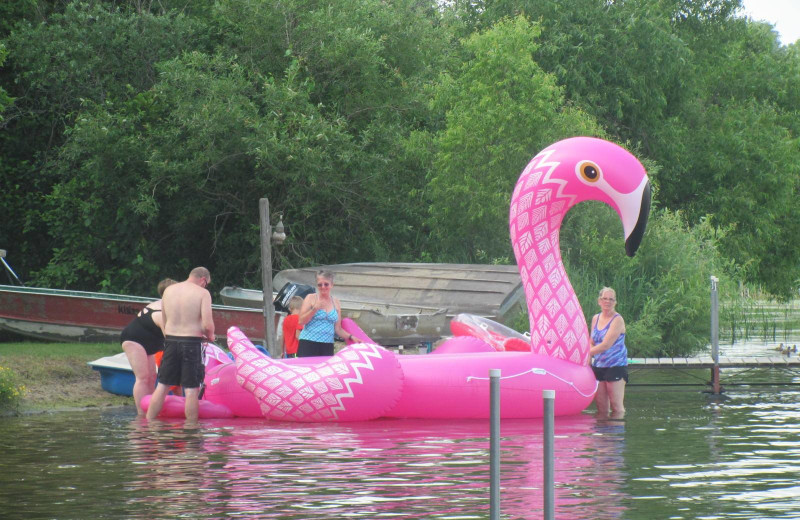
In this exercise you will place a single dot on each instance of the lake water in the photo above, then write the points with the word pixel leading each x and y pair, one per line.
pixel 679 454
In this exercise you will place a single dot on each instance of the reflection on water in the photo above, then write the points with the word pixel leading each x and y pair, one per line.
pixel 379 469
pixel 677 454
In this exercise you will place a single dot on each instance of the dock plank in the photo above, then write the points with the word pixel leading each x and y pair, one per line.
pixel 703 362
pixel 777 363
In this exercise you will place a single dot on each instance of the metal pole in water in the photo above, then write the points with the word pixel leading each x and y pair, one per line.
pixel 715 336
pixel 549 397
pixel 494 444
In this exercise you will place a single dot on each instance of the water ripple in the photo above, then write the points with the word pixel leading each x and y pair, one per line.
pixel 675 456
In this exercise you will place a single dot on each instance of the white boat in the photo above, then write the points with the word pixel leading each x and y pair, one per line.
pixel 116 374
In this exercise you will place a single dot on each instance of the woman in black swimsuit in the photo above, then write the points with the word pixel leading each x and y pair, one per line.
pixel 141 339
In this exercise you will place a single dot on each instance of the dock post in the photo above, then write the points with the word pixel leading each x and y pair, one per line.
pixel 266 278
pixel 549 397
pixel 716 388
pixel 268 235
pixel 494 444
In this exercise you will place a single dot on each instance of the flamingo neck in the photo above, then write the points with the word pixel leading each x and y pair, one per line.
pixel 538 206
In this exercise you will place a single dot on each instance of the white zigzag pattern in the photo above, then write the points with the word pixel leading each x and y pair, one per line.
pixel 543 246
pixel 557 207
pixel 561 185
pixel 305 393
pixel 370 351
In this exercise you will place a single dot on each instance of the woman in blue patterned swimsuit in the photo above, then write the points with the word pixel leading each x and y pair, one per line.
pixel 321 317
pixel 610 363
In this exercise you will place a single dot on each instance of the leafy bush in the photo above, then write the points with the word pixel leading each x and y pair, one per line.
pixel 663 292
pixel 11 390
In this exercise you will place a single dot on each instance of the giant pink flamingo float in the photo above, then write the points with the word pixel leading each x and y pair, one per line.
pixel 366 381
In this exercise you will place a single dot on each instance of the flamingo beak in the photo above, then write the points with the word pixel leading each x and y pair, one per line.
pixel 634 238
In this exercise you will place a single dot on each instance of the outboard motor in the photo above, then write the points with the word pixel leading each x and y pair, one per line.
pixel 281 301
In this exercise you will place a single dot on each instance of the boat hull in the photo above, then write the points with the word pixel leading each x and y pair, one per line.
pixel 406 303
pixel 116 375
pixel 78 316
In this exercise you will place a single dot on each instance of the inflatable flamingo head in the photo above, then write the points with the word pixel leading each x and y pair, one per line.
pixel 560 176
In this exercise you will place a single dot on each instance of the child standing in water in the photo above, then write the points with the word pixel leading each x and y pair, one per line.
pixel 292 327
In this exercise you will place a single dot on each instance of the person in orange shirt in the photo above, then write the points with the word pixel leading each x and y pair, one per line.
pixel 292 327
pixel 175 389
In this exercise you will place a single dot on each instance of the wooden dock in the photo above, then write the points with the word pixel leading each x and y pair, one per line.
pixel 708 362
pixel 783 364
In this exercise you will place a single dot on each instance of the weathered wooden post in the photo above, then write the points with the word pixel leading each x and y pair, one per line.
pixel 267 236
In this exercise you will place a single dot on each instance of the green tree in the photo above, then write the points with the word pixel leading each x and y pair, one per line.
pixel 146 192
pixel 83 55
pixel 367 59
pixel 620 62
pixel 747 177
pixel 500 110
pixel 743 172
pixel 5 99
pixel 364 66
pixel 663 291
pixel 175 174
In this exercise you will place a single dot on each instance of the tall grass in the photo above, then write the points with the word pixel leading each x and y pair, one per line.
pixel 662 292
pixel 746 319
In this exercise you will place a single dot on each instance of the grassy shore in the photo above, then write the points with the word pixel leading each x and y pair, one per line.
pixel 56 375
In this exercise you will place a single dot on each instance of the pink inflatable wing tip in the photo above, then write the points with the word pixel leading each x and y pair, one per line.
pixel 352 327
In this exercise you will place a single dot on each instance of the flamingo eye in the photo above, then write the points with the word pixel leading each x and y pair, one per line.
pixel 588 172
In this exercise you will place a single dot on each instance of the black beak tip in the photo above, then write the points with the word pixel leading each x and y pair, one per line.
pixel 635 238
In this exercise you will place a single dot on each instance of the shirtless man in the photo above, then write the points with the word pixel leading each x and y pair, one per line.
pixel 186 311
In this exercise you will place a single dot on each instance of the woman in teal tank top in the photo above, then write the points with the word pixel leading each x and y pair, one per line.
pixel 321 319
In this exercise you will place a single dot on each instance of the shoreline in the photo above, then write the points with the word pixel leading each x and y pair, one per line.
pixel 56 377
pixel 64 396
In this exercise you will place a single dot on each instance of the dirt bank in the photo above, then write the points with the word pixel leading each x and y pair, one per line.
pixel 77 385
pixel 59 384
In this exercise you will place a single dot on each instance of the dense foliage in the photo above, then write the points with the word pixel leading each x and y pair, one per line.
pixel 136 138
